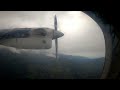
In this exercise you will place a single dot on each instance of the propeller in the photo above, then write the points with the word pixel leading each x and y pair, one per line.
pixel 56 40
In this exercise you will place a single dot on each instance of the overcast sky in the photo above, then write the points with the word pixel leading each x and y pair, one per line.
pixel 83 37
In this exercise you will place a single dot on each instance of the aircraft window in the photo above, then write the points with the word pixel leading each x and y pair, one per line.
pixel 78 54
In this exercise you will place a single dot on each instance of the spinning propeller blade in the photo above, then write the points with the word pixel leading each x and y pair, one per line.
pixel 56 40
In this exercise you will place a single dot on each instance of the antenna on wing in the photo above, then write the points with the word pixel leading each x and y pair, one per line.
pixel 56 40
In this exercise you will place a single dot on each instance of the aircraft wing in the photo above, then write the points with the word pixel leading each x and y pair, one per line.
pixel 25 39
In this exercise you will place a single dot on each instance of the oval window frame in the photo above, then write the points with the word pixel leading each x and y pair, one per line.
pixel 106 28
